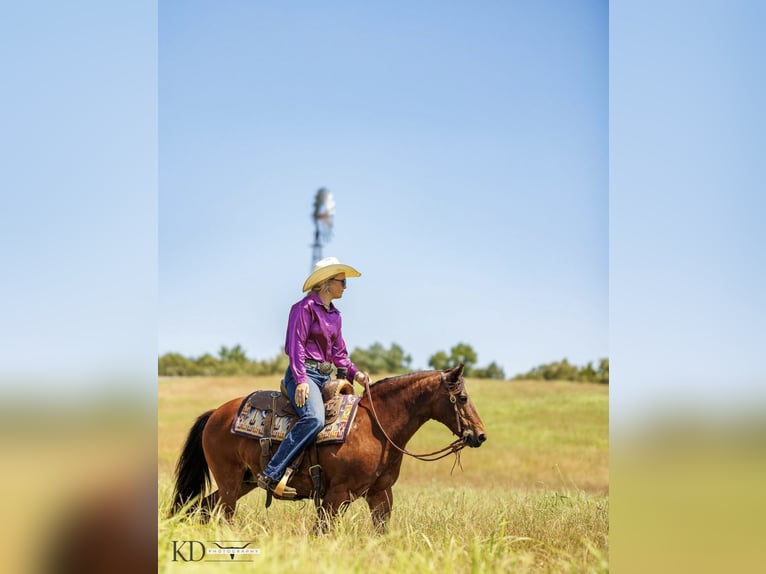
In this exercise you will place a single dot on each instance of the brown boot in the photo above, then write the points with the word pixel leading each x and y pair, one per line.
pixel 269 485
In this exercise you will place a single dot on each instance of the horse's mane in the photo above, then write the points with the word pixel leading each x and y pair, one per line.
pixel 403 378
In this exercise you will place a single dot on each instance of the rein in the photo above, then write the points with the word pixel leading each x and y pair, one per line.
pixel 454 447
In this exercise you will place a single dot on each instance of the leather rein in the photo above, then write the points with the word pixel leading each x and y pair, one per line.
pixel 454 447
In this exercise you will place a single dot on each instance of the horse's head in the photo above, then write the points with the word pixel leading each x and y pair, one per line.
pixel 457 411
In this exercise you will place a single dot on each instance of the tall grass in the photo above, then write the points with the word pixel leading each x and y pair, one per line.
pixel 532 499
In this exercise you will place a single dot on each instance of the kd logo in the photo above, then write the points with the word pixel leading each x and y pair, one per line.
pixel 184 550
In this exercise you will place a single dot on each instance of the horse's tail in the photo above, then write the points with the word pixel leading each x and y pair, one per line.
pixel 192 472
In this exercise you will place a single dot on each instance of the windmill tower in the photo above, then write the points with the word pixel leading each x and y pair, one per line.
pixel 324 210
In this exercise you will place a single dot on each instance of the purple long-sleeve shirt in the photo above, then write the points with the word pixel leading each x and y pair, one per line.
pixel 313 332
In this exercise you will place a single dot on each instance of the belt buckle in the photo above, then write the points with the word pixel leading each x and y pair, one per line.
pixel 325 367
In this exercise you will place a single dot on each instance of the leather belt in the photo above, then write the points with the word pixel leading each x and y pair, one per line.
pixel 324 367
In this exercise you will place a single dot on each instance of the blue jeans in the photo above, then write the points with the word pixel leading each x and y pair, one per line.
pixel 307 427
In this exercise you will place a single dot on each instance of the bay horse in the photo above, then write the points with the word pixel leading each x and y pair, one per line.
pixel 365 466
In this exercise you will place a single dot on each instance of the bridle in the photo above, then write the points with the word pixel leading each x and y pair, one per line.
pixel 454 447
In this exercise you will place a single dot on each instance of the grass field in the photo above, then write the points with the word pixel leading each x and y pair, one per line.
pixel 533 498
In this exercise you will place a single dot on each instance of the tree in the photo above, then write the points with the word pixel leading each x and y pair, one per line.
pixel 173 365
pixel 439 361
pixel 278 365
pixel 207 365
pixel 234 355
pixel 376 359
pixel 492 371
pixel 370 359
pixel 588 373
pixel 463 353
pixel 602 375
pixel 561 371
pixel 460 353
pixel 396 359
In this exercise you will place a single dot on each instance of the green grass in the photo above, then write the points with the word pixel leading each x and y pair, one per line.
pixel 533 499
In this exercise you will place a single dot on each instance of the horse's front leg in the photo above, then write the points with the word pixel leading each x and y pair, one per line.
pixel 334 503
pixel 380 502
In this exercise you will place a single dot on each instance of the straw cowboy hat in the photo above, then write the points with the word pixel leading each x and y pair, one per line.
pixel 326 268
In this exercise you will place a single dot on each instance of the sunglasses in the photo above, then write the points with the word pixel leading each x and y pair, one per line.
pixel 342 281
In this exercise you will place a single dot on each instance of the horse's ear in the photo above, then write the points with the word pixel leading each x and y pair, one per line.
pixel 455 373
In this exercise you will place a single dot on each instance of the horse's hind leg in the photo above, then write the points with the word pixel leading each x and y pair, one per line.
pixel 230 485
pixel 207 505
pixel 380 503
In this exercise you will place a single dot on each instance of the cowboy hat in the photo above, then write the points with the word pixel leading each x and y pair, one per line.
pixel 326 268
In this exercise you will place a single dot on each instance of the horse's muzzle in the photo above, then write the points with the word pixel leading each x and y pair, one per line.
pixel 473 439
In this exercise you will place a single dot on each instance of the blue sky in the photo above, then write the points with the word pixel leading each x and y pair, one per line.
pixel 466 150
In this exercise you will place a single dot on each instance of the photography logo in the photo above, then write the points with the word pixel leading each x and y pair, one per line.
pixel 213 551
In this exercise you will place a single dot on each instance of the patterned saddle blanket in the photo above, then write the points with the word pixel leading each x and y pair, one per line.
pixel 269 414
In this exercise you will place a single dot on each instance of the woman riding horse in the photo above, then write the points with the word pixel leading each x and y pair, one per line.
pixel 365 466
pixel 314 343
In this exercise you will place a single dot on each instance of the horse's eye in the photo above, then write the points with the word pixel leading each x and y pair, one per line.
pixel 462 399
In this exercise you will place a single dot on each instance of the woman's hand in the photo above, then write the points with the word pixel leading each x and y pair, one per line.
pixel 362 378
pixel 301 394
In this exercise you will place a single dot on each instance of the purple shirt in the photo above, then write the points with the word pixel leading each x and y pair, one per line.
pixel 313 332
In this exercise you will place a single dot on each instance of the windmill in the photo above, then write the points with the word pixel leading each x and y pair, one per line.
pixel 324 210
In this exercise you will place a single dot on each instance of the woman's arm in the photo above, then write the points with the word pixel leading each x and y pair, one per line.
pixel 298 326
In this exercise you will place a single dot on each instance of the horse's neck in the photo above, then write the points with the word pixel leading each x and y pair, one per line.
pixel 402 404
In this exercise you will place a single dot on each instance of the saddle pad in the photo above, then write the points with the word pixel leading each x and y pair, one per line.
pixel 250 422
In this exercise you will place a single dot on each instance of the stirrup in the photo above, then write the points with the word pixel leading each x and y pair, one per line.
pixel 284 491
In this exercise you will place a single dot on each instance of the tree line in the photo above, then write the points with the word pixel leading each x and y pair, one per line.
pixel 375 359
pixel 564 371
pixel 230 362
